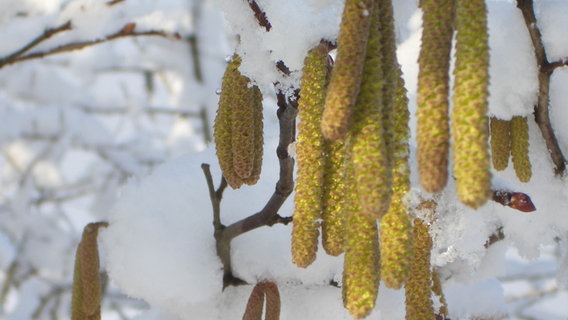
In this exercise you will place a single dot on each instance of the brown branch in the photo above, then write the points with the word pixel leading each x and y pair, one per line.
pixel 127 31
pixel 541 111
pixel 268 216
pixel 260 15
pixel 48 33
pixel 113 2
pixel 551 66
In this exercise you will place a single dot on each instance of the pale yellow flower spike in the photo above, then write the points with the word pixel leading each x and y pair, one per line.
pixel 347 72
pixel 469 115
pixel 371 165
pixel 333 222
pixel 222 129
pixel 520 148
pixel 500 143
pixel 258 132
pixel 310 158
pixel 361 273
pixel 418 288
pixel 433 128
pixel 87 295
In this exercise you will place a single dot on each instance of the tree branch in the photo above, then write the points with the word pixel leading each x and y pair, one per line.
pixel 127 31
pixel 268 216
pixel 259 15
pixel 541 111
pixel 48 33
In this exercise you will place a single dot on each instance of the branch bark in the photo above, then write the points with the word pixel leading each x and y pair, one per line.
pixel 541 110
pixel 259 15
pixel 22 54
pixel 267 216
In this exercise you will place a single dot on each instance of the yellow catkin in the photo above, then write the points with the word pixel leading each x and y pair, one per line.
pixel 390 72
pixel 222 129
pixel 347 72
pixel 310 158
pixel 500 143
pixel 439 292
pixel 469 115
pixel 238 128
pixel 333 221
pixel 418 287
pixel 433 129
pixel 242 126
pixel 258 131
pixel 520 148
pixel 86 297
pixel 371 165
pixel 361 273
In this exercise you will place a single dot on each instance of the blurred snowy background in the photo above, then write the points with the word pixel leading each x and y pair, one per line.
pixel 118 130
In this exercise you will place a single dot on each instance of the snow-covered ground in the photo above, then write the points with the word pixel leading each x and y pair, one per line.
pixel 79 142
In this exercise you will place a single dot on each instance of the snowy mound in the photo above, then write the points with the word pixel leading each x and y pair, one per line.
pixel 160 244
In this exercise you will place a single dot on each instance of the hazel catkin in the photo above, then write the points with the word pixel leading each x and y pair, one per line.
pixel 86 296
pixel 520 148
pixel 469 115
pixel 346 76
pixel 310 158
pixel 433 129
pixel 371 164
pixel 500 143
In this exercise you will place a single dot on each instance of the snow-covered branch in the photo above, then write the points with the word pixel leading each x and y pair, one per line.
pixel 542 114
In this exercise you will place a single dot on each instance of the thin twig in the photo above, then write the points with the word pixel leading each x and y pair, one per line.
pixel 127 31
pixel 48 33
pixel 268 216
pixel 541 111
pixel 260 15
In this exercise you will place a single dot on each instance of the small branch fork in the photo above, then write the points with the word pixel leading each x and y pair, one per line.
pixel 267 216
pixel 541 110
pixel 22 54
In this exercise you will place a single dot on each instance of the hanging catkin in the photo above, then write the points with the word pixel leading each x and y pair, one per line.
pixel 346 76
pixel 500 143
pixel 333 222
pixel 361 273
pixel 439 292
pixel 86 297
pixel 418 288
pixel 469 115
pixel 310 158
pixel 433 129
pixel 390 72
pixel 520 148
pixel 371 166
pixel 238 127
pixel 258 132
pixel 396 229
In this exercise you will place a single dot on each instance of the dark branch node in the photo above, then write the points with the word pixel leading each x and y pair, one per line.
pixel 260 15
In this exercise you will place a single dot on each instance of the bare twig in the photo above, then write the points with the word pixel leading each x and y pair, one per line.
pixel 127 30
pixel 268 216
pixel 113 2
pixel 48 33
pixel 260 15
pixel 541 111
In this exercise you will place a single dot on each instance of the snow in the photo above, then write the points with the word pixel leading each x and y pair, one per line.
pixel 161 248
pixel 79 123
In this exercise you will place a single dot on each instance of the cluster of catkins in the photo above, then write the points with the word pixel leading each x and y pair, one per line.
pixel 352 145
pixel 352 149
pixel 352 156
pixel 238 129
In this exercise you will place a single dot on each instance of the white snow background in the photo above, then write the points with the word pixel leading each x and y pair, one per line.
pixel 159 246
